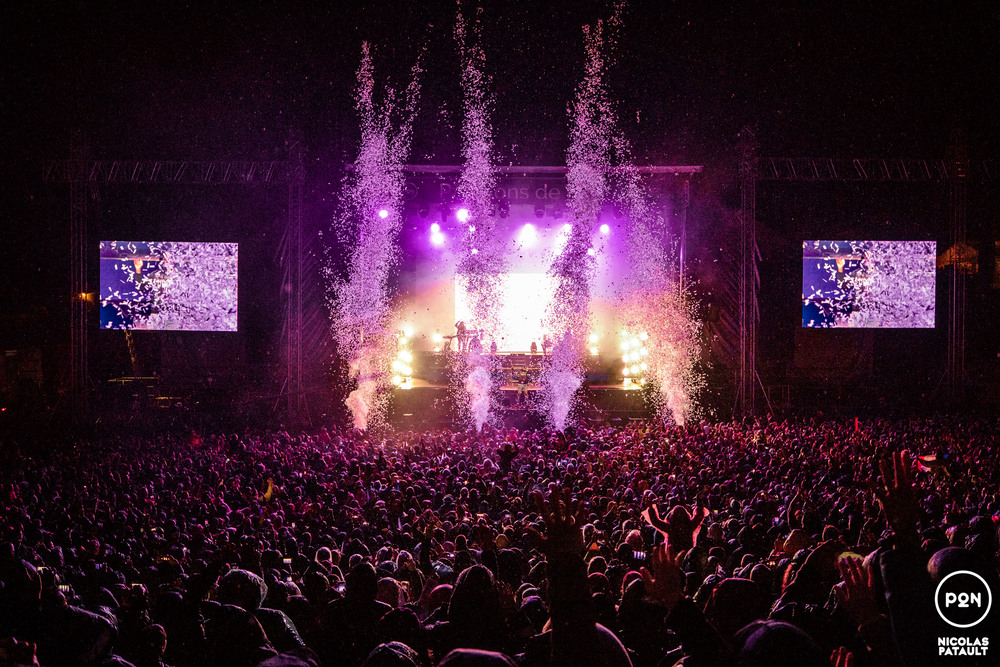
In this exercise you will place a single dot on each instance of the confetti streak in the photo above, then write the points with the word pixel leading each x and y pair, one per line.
pixel 360 304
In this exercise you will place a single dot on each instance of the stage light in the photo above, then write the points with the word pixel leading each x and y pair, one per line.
pixel 593 351
pixel 642 381
pixel 397 365
pixel 406 356
pixel 435 228
pixel 644 351
pixel 635 369
pixel 627 358
pixel 408 330
pixel 462 215
pixel 643 366
pixel 472 228
pixel 475 251
pixel 383 214
pixel 644 336
pixel 605 228
pixel 625 371
pixel 528 236
pixel 624 344
pixel 539 211
pixel 591 252
pixel 567 228
pixel 396 380
pixel 593 338
pixel 437 238
pixel 437 338
pixel 634 342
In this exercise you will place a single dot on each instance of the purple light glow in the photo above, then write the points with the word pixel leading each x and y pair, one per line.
pixel 383 214
pixel 605 229
pixel 462 215
pixel 437 239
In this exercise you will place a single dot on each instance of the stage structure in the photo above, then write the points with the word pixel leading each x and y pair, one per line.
pixel 954 170
pixel 85 175
pixel 532 221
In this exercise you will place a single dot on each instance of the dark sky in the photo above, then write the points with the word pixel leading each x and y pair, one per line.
pixel 164 80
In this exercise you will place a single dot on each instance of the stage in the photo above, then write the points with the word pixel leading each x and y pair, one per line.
pixel 434 397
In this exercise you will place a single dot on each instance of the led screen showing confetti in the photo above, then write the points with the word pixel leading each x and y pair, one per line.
pixel 877 284
pixel 166 285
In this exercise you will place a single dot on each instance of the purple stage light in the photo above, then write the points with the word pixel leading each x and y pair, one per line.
pixel 383 214
pixel 462 215
pixel 435 228
pixel 437 238
pixel 475 251
pixel 605 229
pixel 591 252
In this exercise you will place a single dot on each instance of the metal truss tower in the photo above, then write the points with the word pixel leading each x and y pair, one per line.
pixel 84 175
pixel 955 171
pixel 749 313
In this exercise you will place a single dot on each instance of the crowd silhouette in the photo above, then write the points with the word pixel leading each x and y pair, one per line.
pixel 767 542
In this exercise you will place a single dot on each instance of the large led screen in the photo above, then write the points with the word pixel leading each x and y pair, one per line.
pixel 878 284
pixel 167 285
pixel 524 300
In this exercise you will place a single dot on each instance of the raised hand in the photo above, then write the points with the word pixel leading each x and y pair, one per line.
pixel 679 527
pixel 663 580
pixel 897 496
pixel 842 658
pixel 856 592
pixel 563 524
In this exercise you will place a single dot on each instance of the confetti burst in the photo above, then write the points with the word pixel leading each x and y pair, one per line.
pixel 372 204
pixel 587 164
pixel 483 256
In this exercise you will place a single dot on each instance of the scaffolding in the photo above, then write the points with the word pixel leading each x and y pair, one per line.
pixel 85 175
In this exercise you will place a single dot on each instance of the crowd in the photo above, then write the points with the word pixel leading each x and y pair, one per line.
pixel 759 543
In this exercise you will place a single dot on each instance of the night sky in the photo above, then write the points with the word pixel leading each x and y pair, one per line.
pixel 163 80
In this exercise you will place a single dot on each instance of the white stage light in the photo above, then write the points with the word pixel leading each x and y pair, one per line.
pixel 528 235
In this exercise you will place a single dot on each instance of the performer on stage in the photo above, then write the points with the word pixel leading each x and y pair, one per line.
pixel 463 338
pixel 522 385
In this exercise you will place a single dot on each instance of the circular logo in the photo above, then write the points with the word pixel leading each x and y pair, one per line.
pixel 963 599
